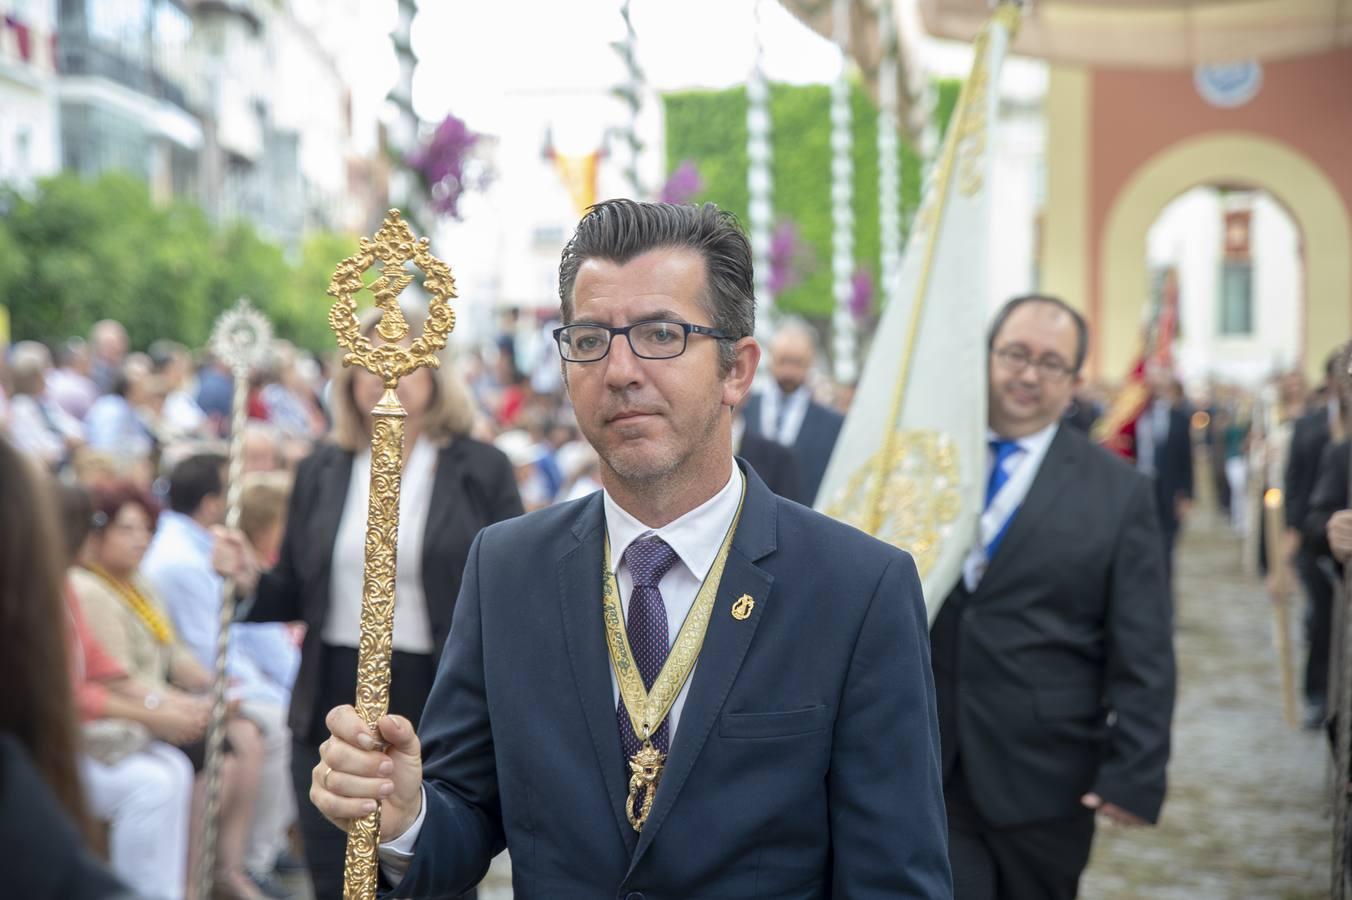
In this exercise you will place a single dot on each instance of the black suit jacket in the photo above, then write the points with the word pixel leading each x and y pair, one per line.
pixel 1173 466
pixel 1072 622
pixel 474 486
pixel 805 763
pixel 45 856
pixel 813 446
pixel 1309 437
pixel 1328 496
pixel 775 464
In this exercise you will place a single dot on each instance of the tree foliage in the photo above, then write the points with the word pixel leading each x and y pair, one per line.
pixel 74 251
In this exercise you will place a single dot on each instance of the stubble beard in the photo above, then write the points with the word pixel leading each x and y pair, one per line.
pixel 638 471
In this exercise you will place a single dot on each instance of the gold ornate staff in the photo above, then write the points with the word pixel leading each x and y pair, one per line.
pixel 241 340
pixel 392 248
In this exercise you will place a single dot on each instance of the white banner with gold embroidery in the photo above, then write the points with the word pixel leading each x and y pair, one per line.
pixel 911 459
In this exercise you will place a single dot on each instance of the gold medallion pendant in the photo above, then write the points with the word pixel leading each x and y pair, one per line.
pixel 645 769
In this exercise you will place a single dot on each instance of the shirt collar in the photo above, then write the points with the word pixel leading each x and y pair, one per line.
pixel 1035 443
pixel 189 528
pixel 696 536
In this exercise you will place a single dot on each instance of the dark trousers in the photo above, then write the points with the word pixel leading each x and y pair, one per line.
pixel 411 677
pixel 1169 535
pixel 1318 627
pixel 1040 861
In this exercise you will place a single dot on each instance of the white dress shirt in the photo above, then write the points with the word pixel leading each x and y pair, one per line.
pixel 412 630
pixel 696 537
pixel 795 410
pixel 1021 467
pixel 1152 432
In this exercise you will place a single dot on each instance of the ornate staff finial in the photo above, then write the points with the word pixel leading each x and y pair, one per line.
pixel 391 249
pixel 242 336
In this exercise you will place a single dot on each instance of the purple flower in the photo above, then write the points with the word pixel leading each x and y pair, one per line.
pixel 443 163
pixel 790 258
pixel 683 183
pixel 861 294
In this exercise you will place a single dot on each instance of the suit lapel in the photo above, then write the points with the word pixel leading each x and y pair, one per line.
pixel 725 646
pixel 1053 475
pixel 584 634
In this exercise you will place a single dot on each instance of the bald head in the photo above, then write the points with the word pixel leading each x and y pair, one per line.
pixel 792 353
pixel 109 340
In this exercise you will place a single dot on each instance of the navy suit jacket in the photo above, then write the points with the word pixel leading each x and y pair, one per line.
pixel 813 446
pixel 805 763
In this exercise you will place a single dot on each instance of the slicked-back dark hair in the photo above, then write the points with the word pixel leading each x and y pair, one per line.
pixel 620 230
pixel 1081 326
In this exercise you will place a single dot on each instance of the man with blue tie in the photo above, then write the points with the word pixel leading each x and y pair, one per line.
pixel 681 686
pixel 1053 656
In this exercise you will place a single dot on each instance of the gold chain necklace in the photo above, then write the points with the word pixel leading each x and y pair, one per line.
pixel 145 610
pixel 647 709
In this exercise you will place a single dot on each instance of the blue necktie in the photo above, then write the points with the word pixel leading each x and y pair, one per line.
pixel 1003 449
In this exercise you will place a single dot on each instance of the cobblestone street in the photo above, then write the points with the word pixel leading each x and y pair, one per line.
pixel 1246 814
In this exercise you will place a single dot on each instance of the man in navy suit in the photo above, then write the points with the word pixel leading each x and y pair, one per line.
pixel 786 413
pixel 801 757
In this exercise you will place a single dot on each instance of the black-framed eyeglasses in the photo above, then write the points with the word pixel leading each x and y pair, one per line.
pixel 1016 359
pixel 648 340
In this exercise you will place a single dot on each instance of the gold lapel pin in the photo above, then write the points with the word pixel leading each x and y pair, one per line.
pixel 741 610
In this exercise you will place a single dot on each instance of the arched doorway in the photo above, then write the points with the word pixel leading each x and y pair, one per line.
pixel 1232 259
pixel 1236 159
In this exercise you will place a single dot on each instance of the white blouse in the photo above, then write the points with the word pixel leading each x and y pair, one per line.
pixel 412 630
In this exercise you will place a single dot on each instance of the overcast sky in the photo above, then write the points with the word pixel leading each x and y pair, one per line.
pixel 471 54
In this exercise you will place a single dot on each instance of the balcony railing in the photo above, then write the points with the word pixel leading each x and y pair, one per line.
pixel 77 56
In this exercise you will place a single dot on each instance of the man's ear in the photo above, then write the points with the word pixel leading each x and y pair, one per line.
pixel 737 383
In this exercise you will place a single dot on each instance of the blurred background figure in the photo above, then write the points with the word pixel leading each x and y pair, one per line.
pixel 1164 454
pixel 786 412
pixel 139 783
pixel 44 822
pixel 37 425
pixel 127 618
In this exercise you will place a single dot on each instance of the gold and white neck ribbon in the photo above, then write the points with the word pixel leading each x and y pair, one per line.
pixel 647 709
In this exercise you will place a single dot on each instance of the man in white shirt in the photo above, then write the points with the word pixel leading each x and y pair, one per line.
pixel 1053 657
pixel 683 685
pixel 786 413
pixel 262 660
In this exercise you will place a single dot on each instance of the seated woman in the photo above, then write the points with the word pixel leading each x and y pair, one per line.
pixel 127 619
pixel 134 778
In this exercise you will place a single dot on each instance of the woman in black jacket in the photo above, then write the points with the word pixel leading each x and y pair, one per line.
pixel 452 487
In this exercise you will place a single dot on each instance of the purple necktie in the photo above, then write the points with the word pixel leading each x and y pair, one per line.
pixel 648 560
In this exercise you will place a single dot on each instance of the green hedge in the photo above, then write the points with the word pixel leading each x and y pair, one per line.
pixel 75 251
pixel 709 128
